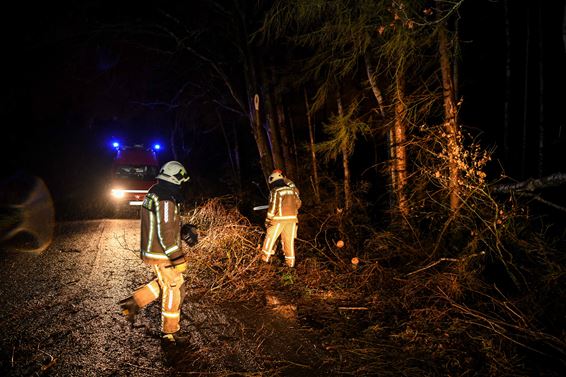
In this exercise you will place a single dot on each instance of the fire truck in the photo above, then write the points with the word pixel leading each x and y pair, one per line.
pixel 134 169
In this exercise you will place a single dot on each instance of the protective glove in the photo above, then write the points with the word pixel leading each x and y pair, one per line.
pixel 189 234
pixel 181 267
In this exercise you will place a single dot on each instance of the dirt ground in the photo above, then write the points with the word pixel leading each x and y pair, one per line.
pixel 59 317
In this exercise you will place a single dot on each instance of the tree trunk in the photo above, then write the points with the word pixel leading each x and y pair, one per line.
pixel 236 154
pixel 178 148
pixel 273 132
pixel 398 146
pixel 314 180
pixel 507 99
pixel 260 138
pixel 540 162
pixel 290 167
pixel 525 100
pixel 390 137
pixel 233 156
pixel 530 185
pixel 374 87
pixel 173 137
pixel 253 99
pixel 450 118
pixel 294 148
pixel 345 164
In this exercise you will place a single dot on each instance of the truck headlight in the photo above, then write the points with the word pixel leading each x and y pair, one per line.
pixel 117 193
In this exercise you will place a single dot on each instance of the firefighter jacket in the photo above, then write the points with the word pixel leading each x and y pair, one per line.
pixel 160 227
pixel 284 203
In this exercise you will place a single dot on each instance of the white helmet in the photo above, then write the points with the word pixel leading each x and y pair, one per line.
pixel 173 172
pixel 275 176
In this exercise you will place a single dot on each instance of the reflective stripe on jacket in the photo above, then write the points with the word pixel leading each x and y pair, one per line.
pixel 160 231
pixel 284 204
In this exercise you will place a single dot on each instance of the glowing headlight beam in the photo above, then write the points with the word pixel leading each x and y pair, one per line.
pixel 117 193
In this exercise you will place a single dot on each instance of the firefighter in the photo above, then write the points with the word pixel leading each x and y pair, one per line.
pixel 281 220
pixel 161 234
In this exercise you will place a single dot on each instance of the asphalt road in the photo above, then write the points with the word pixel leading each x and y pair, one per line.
pixel 59 317
pixel 58 312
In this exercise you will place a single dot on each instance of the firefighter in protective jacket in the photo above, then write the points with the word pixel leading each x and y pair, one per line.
pixel 282 220
pixel 161 248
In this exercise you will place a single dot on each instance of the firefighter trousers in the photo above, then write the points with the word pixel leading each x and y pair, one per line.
pixel 288 232
pixel 168 285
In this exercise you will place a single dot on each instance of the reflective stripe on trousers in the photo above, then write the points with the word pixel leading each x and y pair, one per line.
pixel 171 281
pixel 288 232
pixel 168 284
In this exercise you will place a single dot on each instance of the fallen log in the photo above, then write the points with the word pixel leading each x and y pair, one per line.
pixel 528 188
pixel 531 184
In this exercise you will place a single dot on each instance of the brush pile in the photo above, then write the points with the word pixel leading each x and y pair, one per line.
pixel 404 307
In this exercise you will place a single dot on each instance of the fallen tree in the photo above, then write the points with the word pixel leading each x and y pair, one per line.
pixel 530 186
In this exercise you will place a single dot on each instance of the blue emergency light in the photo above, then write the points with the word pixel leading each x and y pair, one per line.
pixel 115 144
pixel 157 147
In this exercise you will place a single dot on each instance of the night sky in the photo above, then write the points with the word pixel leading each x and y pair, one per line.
pixel 75 75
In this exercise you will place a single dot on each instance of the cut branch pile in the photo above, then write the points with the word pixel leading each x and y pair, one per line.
pixel 406 307
pixel 225 262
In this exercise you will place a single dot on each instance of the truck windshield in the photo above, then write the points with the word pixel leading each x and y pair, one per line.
pixel 139 173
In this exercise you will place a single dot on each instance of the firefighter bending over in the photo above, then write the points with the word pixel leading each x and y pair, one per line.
pixel 284 204
pixel 161 249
